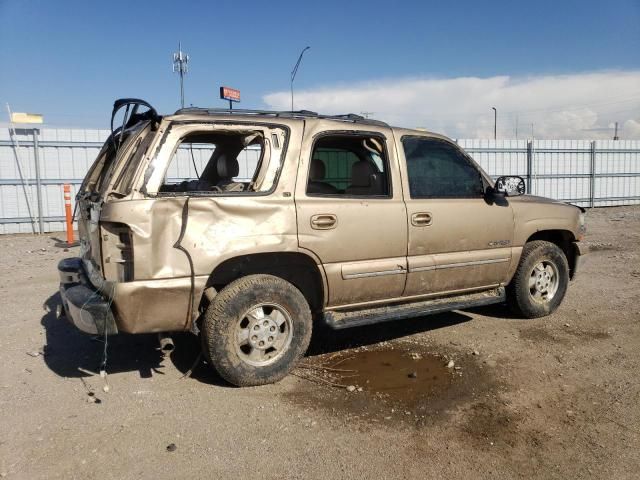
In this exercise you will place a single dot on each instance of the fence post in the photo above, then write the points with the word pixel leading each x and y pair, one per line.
pixel 529 165
pixel 36 159
pixel 592 179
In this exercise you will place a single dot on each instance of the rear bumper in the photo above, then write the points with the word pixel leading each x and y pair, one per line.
pixel 84 306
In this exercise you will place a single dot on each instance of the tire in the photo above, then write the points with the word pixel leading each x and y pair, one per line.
pixel 540 281
pixel 256 329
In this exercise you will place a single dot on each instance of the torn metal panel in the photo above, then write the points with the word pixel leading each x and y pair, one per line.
pixel 217 229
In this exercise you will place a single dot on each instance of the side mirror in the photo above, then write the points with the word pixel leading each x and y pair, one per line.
pixel 510 185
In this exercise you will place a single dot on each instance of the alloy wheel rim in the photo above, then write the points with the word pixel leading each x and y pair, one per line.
pixel 263 334
pixel 543 281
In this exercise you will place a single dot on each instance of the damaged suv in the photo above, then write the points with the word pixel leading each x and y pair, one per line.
pixel 246 227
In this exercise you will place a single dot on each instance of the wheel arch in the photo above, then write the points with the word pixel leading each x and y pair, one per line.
pixel 563 239
pixel 297 268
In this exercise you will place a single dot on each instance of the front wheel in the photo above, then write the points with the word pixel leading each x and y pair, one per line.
pixel 540 282
pixel 256 329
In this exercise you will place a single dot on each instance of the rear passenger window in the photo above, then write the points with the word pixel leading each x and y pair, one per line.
pixel 215 163
pixel 349 165
pixel 437 169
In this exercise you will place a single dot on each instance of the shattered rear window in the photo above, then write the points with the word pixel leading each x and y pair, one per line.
pixel 220 162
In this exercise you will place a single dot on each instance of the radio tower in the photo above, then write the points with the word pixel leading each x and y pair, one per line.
pixel 180 61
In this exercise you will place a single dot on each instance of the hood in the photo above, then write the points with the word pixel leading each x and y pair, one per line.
pixel 543 200
pixel 534 199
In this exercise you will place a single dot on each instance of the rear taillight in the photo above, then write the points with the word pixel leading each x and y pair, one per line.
pixel 117 252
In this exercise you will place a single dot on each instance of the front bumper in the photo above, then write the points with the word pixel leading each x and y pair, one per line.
pixel 84 306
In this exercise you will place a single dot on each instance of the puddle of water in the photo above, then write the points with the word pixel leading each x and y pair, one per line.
pixel 401 376
pixel 403 386
pixel 392 384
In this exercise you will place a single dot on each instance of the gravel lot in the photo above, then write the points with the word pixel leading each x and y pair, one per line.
pixel 556 397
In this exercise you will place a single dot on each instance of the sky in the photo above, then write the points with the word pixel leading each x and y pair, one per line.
pixel 552 69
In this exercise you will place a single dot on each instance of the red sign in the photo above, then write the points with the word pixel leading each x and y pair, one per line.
pixel 231 94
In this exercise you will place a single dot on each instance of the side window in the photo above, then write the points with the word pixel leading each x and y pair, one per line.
pixel 349 165
pixel 437 169
pixel 215 163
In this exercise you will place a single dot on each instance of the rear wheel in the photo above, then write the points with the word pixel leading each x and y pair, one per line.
pixel 540 282
pixel 256 329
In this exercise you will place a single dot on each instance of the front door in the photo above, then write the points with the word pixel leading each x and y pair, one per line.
pixel 351 213
pixel 458 240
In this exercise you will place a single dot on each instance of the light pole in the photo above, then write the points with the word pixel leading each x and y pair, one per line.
pixel 294 71
pixel 495 123
pixel 180 61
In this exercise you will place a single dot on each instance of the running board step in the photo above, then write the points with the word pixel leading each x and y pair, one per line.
pixel 356 318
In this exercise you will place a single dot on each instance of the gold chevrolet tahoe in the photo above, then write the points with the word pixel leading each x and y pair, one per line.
pixel 246 227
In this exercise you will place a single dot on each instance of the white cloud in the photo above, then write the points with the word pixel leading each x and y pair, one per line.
pixel 584 105
pixel 631 128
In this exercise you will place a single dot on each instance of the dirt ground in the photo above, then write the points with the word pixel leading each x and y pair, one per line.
pixel 470 394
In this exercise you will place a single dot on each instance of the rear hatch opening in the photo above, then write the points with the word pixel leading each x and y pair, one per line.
pixel 111 176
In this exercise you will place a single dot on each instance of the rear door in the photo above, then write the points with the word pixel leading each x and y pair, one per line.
pixel 351 213
pixel 458 239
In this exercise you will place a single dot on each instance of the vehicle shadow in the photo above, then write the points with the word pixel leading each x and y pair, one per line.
pixel 71 353
pixel 326 340
pixel 496 310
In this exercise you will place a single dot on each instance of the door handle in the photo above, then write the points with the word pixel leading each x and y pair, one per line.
pixel 421 219
pixel 324 221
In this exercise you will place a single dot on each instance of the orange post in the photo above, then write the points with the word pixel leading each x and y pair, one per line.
pixel 68 214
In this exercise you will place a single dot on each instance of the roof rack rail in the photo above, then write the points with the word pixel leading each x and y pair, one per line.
pixel 240 111
pixel 352 117
pixel 347 117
